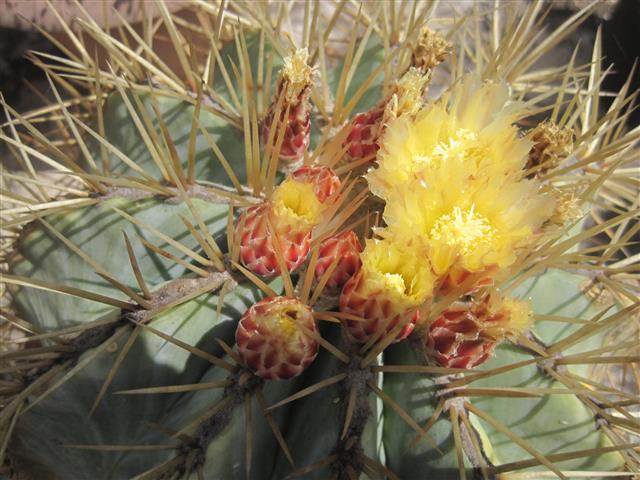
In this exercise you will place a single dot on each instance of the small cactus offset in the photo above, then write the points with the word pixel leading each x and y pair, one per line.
pixel 364 248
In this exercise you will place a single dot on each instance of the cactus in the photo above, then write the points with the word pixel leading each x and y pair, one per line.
pixel 356 250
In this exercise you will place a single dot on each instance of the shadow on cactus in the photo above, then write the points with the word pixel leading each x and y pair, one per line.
pixel 349 251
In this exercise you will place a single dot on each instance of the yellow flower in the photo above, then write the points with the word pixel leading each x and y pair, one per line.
pixel 398 271
pixel 469 223
pixel 452 179
pixel 295 204
pixel 470 127
pixel 507 317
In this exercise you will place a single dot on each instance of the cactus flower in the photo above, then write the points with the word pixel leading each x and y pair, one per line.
pixel 470 128
pixel 387 290
pixel 476 227
pixel 452 179
pixel 295 208
pixel 292 212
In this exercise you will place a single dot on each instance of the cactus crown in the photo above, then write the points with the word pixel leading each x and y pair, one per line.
pixel 351 250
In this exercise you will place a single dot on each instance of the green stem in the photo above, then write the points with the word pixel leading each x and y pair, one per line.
pixel 355 394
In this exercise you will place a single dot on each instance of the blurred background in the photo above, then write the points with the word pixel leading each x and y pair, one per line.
pixel 25 87
pixel 28 26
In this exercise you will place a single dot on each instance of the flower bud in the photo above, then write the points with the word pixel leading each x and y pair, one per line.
pixel 343 249
pixel 465 334
pixel 387 290
pixel 273 338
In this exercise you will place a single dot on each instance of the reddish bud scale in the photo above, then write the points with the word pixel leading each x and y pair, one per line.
pixel 297 133
pixel 346 249
pixel 458 338
pixel 375 312
pixel 257 251
pixel 257 248
pixel 457 277
pixel 365 130
pixel 272 341
pixel 325 181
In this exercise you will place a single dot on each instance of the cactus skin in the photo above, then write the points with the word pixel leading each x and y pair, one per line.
pixel 152 361
pixel 272 350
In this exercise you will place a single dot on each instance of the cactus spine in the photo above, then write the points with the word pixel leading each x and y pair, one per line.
pixel 288 258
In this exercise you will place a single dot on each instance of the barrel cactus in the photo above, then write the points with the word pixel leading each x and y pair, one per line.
pixel 324 241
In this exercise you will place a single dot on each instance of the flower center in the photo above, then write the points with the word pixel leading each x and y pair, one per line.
pixel 398 270
pixel 282 323
pixel 463 144
pixel 298 201
pixel 395 281
pixel 395 274
pixel 466 229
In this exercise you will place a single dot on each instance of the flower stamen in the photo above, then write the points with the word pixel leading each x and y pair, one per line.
pixel 464 229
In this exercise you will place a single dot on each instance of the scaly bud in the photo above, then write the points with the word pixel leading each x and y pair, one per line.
pixel 294 85
pixel 273 338
pixel 364 132
pixel 325 182
pixel 343 249
pixel 387 290
pixel 366 129
pixel 257 251
pixel 295 208
pixel 465 334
